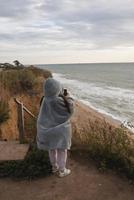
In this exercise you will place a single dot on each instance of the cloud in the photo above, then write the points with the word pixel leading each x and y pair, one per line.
pixel 14 8
pixel 63 25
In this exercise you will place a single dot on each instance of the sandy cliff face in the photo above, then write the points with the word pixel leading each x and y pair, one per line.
pixel 84 120
pixel 26 85
pixel 9 129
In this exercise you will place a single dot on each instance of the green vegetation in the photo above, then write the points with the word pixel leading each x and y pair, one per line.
pixel 17 81
pixel 4 111
pixel 111 148
pixel 8 66
pixel 18 64
pixel 22 80
pixel 30 129
pixel 26 80
pixel 36 164
pixel 39 72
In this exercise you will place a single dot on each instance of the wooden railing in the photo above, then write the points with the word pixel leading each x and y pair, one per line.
pixel 21 125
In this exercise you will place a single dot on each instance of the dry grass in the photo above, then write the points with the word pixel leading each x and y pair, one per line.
pixel 4 111
pixel 18 81
pixel 110 147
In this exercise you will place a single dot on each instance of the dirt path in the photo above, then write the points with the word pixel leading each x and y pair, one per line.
pixel 84 183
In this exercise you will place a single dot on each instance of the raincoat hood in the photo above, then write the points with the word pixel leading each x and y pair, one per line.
pixel 52 87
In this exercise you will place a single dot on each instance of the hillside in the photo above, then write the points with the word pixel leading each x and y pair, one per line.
pixel 98 142
pixel 25 84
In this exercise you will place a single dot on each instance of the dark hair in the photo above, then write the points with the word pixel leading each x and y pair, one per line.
pixel 41 100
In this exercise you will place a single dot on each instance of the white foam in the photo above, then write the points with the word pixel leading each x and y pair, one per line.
pixel 112 101
pixel 102 111
pixel 91 89
pixel 118 118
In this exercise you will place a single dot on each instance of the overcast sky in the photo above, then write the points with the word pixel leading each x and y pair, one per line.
pixel 66 31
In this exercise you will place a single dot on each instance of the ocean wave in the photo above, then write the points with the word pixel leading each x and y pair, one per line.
pixel 115 102
pixel 92 89
pixel 102 111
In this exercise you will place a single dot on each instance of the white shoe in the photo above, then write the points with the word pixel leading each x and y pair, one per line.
pixel 64 173
pixel 54 170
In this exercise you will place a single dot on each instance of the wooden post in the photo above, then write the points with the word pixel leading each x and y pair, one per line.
pixel 21 108
pixel 21 122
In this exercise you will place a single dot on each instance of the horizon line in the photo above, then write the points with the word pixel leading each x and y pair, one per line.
pixel 130 62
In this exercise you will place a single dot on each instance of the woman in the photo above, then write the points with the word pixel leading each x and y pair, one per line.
pixel 53 125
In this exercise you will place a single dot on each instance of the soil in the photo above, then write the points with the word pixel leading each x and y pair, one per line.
pixel 84 183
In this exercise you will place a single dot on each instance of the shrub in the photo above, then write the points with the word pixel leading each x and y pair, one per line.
pixel 36 164
pixel 30 129
pixel 26 80
pixel 17 81
pixel 22 80
pixel 4 111
pixel 109 146
pixel 40 72
pixel 112 148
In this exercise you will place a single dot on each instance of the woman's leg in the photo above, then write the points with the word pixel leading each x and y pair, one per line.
pixel 61 159
pixel 53 159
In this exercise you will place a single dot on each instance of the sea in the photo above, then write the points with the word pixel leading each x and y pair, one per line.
pixel 106 87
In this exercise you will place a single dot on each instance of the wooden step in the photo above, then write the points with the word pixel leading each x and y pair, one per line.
pixel 12 150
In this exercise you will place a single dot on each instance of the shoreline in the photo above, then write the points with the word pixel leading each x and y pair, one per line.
pixel 108 117
pixel 87 121
pixel 99 115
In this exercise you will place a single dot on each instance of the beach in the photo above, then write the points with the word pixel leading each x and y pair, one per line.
pixel 107 88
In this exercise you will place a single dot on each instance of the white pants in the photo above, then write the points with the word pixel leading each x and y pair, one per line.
pixel 58 158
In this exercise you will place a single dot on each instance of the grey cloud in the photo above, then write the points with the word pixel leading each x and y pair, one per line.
pixel 106 21
pixel 5 36
pixel 14 8
pixel 93 24
pixel 93 10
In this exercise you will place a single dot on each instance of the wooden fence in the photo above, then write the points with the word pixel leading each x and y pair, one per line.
pixel 21 125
